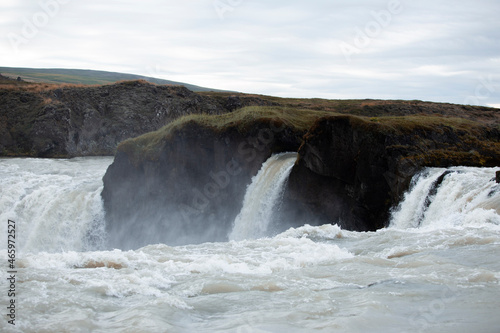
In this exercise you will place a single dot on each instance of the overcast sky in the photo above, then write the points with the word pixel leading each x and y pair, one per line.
pixel 435 50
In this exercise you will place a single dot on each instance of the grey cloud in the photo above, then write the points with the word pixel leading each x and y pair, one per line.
pixel 431 50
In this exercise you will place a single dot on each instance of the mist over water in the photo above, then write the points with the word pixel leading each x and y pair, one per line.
pixel 435 269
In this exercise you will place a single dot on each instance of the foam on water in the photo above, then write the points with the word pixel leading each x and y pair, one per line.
pixel 439 272
pixel 464 196
pixel 320 278
pixel 56 203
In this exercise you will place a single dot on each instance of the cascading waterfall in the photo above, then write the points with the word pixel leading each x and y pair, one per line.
pixel 450 197
pixel 435 269
pixel 56 204
pixel 262 197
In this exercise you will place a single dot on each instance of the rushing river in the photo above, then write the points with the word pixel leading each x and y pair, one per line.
pixel 436 268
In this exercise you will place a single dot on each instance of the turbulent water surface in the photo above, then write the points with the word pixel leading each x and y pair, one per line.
pixel 435 269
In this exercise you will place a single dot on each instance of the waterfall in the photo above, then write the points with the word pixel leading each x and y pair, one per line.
pixel 56 204
pixel 450 197
pixel 262 196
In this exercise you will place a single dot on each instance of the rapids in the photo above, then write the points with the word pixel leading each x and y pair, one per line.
pixel 434 269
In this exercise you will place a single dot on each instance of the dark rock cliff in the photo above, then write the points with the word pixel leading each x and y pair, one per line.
pixel 354 171
pixel 186 183
pixel 191 189
pixel 65 121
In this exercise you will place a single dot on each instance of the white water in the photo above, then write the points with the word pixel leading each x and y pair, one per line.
pixel 262 197
pixel 441 276
pixel 56 203
pixel 466 197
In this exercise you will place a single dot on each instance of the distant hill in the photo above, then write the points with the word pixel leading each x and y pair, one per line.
pixel 85 76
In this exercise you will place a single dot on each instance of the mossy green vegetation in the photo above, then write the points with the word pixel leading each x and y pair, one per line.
pixel 378 108
pixel 149 145
pixel 408 124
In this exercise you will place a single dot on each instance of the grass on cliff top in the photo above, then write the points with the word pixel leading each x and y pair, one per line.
pixel 44 87
pixel 407 124
pixel 381 108
pixel 37 87
pixel 147 145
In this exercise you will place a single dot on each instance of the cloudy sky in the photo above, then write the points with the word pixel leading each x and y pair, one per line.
pixel 439 50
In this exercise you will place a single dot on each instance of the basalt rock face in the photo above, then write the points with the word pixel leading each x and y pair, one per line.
pixel 186 182
pixel 67 121
pixel 193 188
pixel 352 171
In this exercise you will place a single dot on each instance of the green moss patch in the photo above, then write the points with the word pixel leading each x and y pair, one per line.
pixel 149 145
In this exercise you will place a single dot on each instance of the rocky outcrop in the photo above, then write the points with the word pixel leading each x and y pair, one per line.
pixel 192 185
pixel 185 179
pixel 65 121
pixel 186 182
pixel 352 171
